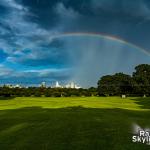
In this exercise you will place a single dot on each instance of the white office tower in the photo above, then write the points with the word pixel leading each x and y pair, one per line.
pixel 72 85
pixel 43 84
pixel 77 87
pixel 17 86
pixel 57 85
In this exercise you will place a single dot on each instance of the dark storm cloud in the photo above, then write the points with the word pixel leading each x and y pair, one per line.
pixel 43 12
pixel 123 18
pixel 126 19
pixel 38 19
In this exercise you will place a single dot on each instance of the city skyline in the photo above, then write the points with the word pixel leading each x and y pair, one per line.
pixel 43 84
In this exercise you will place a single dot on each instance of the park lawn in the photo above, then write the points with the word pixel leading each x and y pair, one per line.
pixel 76 123
pixel 86 102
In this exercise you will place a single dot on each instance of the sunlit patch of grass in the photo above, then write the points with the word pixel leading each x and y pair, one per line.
pixel 87 102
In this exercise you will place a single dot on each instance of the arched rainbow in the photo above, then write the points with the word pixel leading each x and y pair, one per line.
pixel 99 35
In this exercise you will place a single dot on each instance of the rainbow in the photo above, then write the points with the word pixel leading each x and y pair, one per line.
pixel 99 35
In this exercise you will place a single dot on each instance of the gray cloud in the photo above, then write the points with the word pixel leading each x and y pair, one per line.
pixel 5 71
pixel 137 8
pixel 33 76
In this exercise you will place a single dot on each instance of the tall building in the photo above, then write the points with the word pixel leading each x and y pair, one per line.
pixel 72 85
pixel 57 85
pixel 13 86
pixel 17 86
pixel 43 84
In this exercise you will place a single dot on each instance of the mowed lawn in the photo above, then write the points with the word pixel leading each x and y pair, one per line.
pixel 84 123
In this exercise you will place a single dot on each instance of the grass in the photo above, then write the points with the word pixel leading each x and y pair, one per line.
pixel 86 123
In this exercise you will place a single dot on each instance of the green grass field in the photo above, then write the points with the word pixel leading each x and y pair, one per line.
pixel 95 123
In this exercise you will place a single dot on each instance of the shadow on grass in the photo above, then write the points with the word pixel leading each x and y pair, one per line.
pixel 143 103
pixel 6 97
pixel 71 128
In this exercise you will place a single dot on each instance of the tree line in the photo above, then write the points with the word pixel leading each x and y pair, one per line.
pixel 46 92
pixel 137 84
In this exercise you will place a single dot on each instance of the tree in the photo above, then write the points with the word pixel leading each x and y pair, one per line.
pixel 106 86
pixel 141 77
pixel 123 83
pixel 117 84
pixel 93 91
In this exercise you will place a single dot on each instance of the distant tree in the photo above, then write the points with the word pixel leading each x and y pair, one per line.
pixel 93 91
pixel 56 94
pixel 37 94
pixel 47 94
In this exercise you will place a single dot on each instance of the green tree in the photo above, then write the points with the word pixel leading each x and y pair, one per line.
pixel 106 86
pixel 117 84
pixel 141 77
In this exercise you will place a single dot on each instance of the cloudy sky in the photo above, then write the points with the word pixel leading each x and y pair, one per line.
pixel 71 40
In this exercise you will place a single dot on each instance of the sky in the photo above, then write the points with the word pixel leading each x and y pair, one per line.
pixel 71 40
